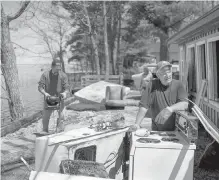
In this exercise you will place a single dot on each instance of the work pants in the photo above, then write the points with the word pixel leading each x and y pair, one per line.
pixel 47 113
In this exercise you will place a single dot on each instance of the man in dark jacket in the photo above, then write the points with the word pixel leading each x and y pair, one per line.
pixel 163 96
pixel 53 82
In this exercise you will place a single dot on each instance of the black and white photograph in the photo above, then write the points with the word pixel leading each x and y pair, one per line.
pixel 100 90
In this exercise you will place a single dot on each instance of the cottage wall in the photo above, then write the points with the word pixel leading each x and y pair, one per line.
pixel 199 60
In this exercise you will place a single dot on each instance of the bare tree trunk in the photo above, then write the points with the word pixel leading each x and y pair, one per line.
pixel 92 61
pixel 81 66
pixel 87 56
pixel 212 4
pixel 111 40
pixel 106 40
pixel 96 54
pixel 61 56
pixel 115 53
pixel 203 7
pixel 61 59
pixel 87 64
pixel 164 53
pixel 117 42
pixel 60 49
pixel 112 36
pixel 12 110
pixel 9 66
pixel 119 62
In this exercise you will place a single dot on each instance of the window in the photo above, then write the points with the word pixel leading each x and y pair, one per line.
pixel 86 153
pixel 191 70
pixel 182 58
pixel 202 75
pixel 214 70
pixel 203 61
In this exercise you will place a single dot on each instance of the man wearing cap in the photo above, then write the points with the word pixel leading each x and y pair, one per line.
pixel 163 96
pixel 53 82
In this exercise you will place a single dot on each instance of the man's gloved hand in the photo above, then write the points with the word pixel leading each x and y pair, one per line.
pixel 47 95
pixel 63 95
pixel 134 127
pixel 164 115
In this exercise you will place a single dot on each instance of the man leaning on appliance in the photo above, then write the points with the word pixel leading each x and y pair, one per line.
pixel 163 96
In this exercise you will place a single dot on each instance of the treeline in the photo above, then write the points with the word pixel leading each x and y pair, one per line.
pixel 109 33
pixel 105 34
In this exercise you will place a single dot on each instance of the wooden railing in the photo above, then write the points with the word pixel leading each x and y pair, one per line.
pixel 74 80
pixel 207 112
pixel 90 79
pixel 211 111
pixel 207 123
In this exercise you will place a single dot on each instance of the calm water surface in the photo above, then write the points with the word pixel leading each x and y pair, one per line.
pixel 29 76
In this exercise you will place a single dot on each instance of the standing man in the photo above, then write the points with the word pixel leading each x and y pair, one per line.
pixel 145 79
pixel 53 82
pixel 163 96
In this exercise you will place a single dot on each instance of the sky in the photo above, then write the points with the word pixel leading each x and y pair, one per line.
pixel 27 44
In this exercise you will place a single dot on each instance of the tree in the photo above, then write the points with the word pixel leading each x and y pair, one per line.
pixel 131 27
pixel 51 26
pixel 106 39
pixel 165 16
pixel 92 32
pixel 112 23
pixel 79 44
pixel 80 12
pixel 114 29
pixel 8 64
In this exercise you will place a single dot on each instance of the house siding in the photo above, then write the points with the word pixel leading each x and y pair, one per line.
pixel 195 37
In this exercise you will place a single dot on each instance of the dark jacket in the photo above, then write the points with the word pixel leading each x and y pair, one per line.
pixel 156 97
pixel 62 82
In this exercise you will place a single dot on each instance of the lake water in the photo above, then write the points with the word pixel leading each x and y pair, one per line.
pixel 29 76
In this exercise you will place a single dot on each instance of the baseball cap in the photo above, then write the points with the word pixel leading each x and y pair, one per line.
pixel 162 64
pixel 145 68
pixel 56 62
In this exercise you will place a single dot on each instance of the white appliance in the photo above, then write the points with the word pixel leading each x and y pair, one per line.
pixel 161 156
pixel 56 176
pixel 102 147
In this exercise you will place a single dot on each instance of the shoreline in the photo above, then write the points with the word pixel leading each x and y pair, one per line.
pixel 26 121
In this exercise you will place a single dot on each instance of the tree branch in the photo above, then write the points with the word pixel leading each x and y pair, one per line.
pixel 33 13
pixel 25 48
pixel 83 22
pixel 40 57
pixel 3 88
pixel 19 12
pixel 5 98
pixel 179 21
pixel 48 45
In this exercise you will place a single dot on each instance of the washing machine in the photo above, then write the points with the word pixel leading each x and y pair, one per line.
pixel 161 156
